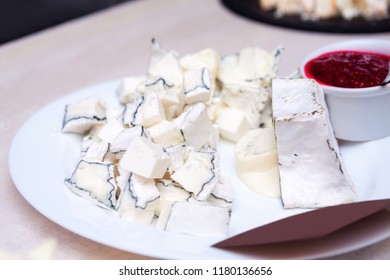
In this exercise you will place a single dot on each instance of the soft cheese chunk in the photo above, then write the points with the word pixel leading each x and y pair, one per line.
pixel 82 116
pixel 153 111
pixel 99 151
pixel 257 161
pixel 312 173
pixel 110 130
pixel 165 90
pixel 169 193
pixel 131 88
pixel 132 115
pixel 222 193
pixel 249 67
pixel 197 86
pixel 232 124
pixel 199 174
pixel 138 199
pixel 177 156
pixel 165 133
pixel 195 125
pixel 196 219
pixel 207 58
pixel 145 158
pixel 94 181
pixel 123 139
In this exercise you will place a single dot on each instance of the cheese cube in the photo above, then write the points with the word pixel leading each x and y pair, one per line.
pixel 232 124
pixel 132 115
pixel 165 90
pixel 130 89
pixel 94 181
pixel 197 86
pixel 153 111
pixel 195 125
pixel 206 167
pixel 110 130
pixel 138 199
pixel 81 116
pixel 165 133
pixel 123 139
pixel 145 158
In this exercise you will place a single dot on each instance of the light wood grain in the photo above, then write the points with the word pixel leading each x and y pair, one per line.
pixel 108 45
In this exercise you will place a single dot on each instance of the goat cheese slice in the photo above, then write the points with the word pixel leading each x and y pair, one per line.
pixel 81 116
pixel 312 173
pixel 153 111
pixel 196 219
pixel 145 158
pixel 94 181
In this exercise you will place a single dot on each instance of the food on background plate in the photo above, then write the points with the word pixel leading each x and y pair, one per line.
pixel 328 9
pixel 312 173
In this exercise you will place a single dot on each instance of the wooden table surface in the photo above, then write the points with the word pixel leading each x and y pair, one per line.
pixel 108 45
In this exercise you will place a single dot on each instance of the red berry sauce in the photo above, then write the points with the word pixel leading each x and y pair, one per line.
pixel 349 69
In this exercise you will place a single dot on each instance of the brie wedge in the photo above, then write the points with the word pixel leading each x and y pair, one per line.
pixel 312 173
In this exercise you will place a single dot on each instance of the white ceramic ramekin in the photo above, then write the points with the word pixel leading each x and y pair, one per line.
pixel 357 114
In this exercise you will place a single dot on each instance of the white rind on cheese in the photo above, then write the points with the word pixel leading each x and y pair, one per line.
pixel 312 173
pixel 145 158
pixel 81 116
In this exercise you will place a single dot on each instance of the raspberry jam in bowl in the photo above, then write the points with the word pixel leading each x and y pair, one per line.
pixel 351 74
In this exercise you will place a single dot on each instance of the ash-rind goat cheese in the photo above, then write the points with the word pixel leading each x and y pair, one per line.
pixel 312 173
pixel 81 116
pixel 145 158
pixel 199 174
pixel 159 149
pixel 94 181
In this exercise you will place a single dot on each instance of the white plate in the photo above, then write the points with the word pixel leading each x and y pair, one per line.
pixel 41 156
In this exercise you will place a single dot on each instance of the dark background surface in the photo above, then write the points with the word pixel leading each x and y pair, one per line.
pixel 22 17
